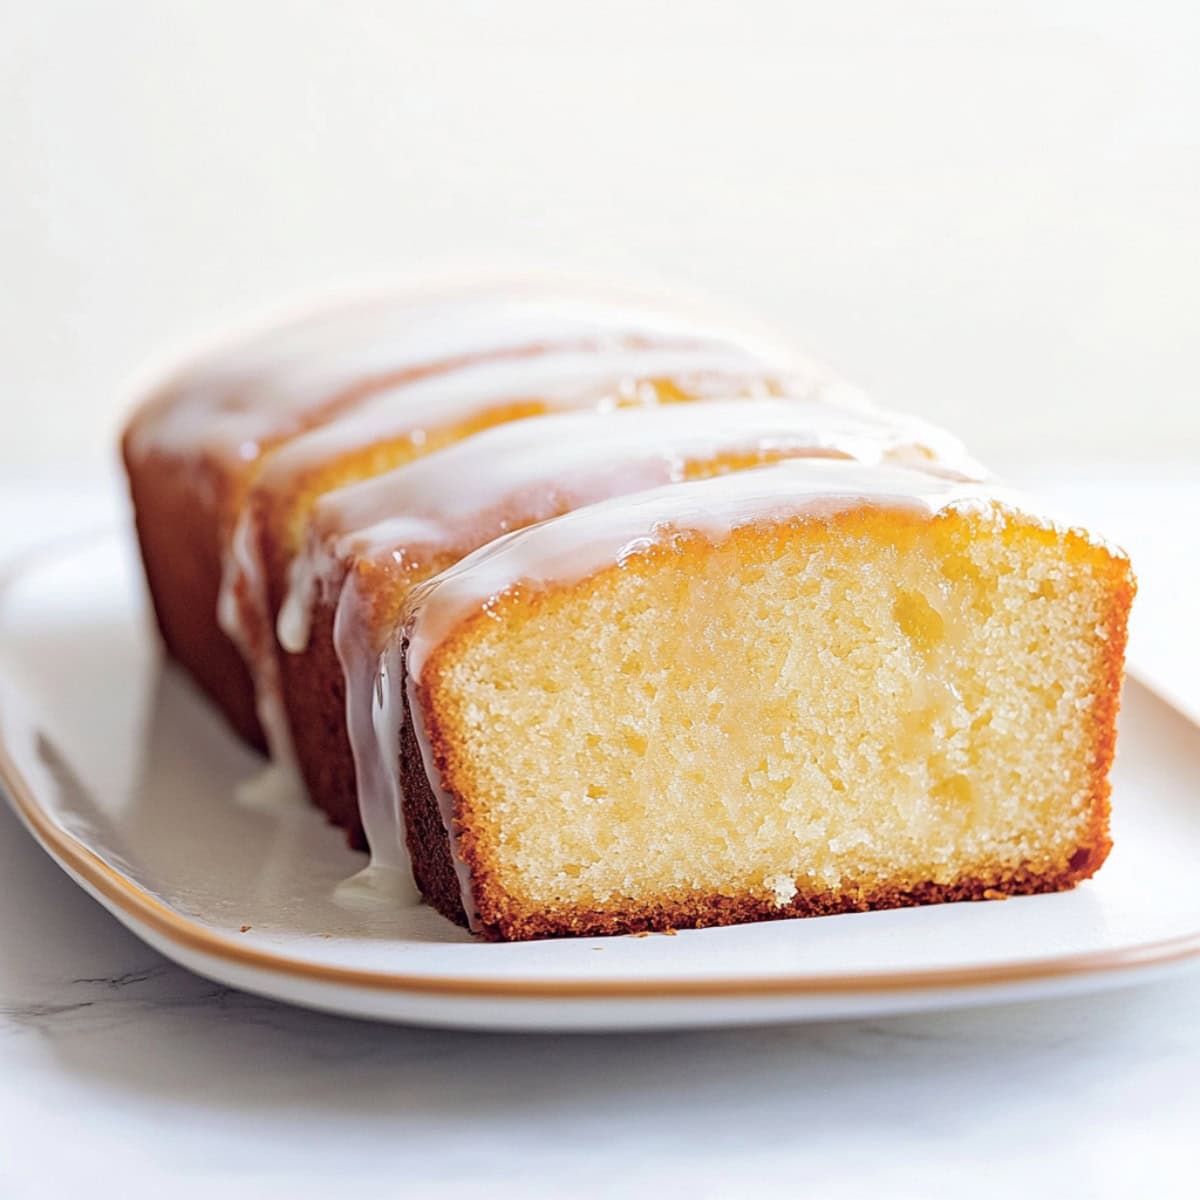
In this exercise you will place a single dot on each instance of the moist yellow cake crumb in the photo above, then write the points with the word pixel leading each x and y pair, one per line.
pixel 812 716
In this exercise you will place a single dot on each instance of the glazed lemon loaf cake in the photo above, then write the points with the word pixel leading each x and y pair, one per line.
pixel 587 617
pixel 808 688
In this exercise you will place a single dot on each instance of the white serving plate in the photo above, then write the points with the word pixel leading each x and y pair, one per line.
pixel 129 781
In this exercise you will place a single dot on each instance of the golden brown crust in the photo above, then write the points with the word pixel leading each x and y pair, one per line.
pixel 1111 675
pixel 428 846
pixel 505 923
pixel 314 691
pixel 182 512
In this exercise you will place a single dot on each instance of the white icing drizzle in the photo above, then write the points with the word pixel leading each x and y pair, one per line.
pixel 587 540
pixel 372 706
pixel 272 383
pixel 276 787
pixel 385 827
pixel 241 613
pixel 592 375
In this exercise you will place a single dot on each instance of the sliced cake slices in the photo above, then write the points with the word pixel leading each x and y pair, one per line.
pixel 824 668
pixel 805 688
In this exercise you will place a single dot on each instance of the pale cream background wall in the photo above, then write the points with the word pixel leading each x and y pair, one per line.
pixel 989 213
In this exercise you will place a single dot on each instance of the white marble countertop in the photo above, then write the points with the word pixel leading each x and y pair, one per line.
pixel 123 1074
